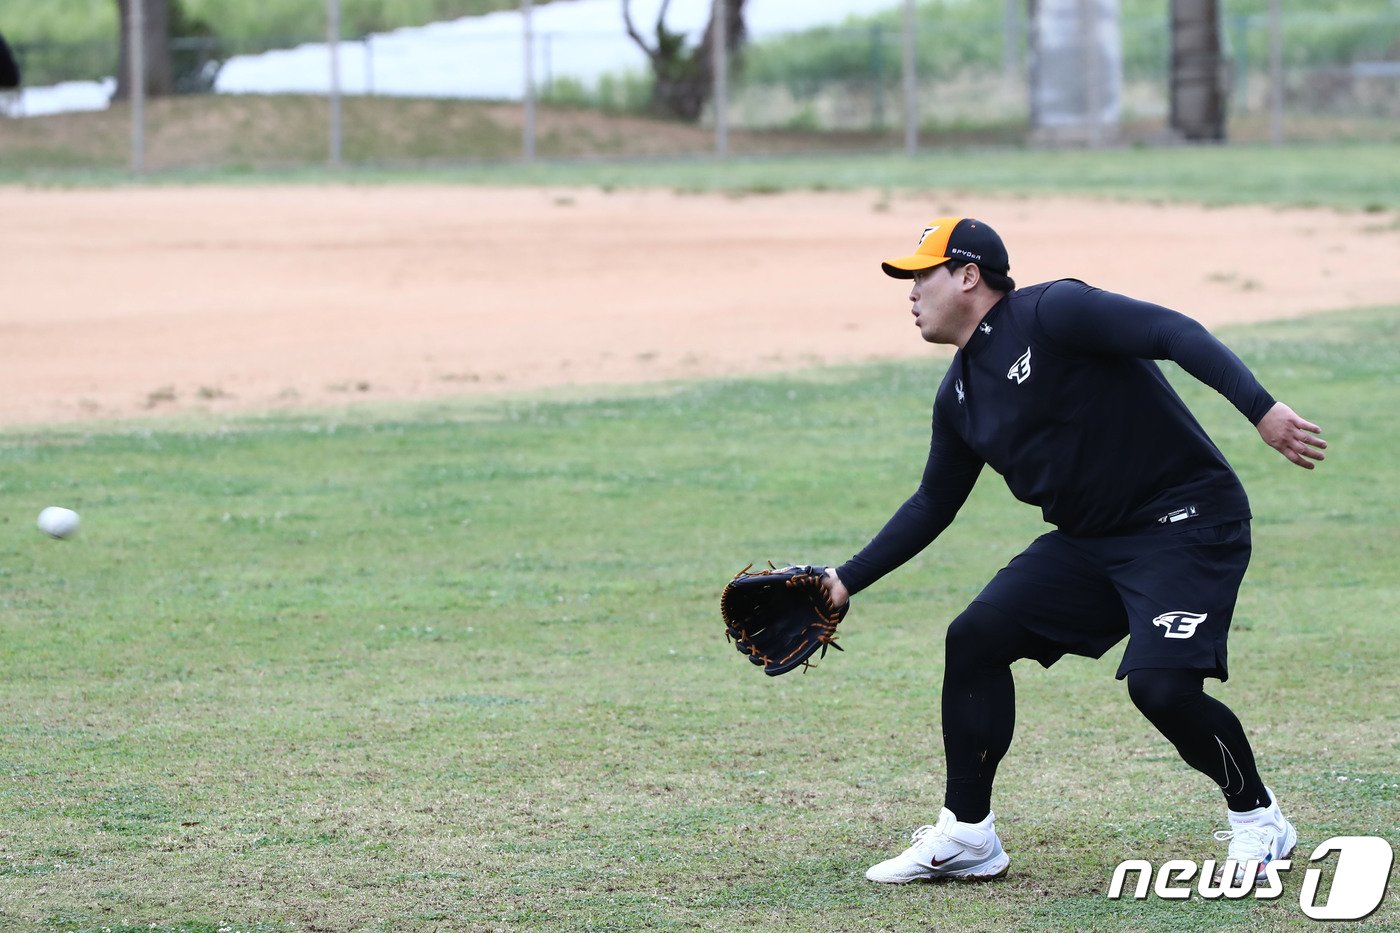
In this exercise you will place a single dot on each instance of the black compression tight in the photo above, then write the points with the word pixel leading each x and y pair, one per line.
pixel 979 704
pixel 1206 734
pixel 979 715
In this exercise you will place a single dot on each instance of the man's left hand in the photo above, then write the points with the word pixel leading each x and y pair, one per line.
pixel 1291 436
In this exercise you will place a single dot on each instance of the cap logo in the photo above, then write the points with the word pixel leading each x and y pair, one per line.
pixel 975 257
pixel 925 236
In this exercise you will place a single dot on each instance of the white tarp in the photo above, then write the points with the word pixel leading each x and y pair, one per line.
pixel 477 56
pixel 482 57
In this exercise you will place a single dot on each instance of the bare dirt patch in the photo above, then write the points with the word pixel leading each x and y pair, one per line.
pixel 140 301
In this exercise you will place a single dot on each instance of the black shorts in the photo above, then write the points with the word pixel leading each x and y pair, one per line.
pixel 1171 594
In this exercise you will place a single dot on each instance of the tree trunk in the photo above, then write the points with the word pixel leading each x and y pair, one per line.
pixel 9 67
pixel 1198 74
pixel 684 79
pixel 160 72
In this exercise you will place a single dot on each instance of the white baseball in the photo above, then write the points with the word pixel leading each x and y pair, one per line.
pixel 58 522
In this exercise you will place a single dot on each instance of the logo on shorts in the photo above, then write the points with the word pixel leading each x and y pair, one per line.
pixel 1179 623
pixel 1021 369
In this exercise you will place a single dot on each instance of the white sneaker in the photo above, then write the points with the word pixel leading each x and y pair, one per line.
pixel 1260 836
pixel 970 851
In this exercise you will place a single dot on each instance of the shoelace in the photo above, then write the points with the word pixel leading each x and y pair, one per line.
pixel 926 831
pixel 1247 842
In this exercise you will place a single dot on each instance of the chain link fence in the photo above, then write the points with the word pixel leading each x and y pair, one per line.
pixel 454 95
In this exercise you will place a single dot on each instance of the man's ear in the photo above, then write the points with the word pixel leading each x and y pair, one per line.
pixel 971 275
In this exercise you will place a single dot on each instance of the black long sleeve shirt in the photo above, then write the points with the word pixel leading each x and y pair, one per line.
pixel 1056 391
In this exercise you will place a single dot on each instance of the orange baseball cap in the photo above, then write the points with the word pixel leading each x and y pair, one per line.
pixel 947 238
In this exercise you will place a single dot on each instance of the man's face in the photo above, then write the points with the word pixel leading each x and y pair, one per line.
pixel 935 294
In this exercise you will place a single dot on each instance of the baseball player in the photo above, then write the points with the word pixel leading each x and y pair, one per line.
pixel 1054 387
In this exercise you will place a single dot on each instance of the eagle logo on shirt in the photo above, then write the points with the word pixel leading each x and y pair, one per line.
pixel 1020 370
pixel 1179 623
pixel 958 388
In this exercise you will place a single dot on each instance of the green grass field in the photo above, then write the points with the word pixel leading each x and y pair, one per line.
pixel 1295 175
pixel 459 666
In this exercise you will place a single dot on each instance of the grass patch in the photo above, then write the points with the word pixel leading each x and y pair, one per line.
pixel 250 135
pixel 460 666
pixel 581 148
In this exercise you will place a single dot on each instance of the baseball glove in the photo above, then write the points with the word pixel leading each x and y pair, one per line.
pixel 780 617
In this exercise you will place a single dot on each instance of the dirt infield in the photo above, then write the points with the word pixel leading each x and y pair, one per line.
pixel 140 301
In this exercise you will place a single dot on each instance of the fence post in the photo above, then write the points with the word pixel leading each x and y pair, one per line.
pixel 1275 73
pixel 137 58
pixel 369 65
pixel 527 129
pixel 720 61
pixel 333 47
pixel 1093 81
pixel 877 76
pixel 547 61
pixel 911 83
pixel 1239 53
